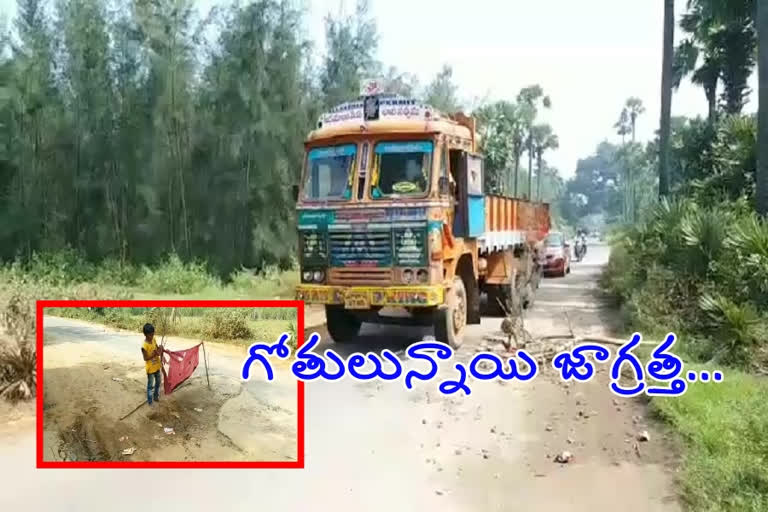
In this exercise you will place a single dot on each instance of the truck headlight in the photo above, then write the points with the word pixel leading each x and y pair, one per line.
pixel 306 275
pixel 318 275
pixel 407 275
pixel 421 275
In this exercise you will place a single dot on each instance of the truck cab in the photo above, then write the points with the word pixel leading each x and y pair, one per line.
pixel 391 213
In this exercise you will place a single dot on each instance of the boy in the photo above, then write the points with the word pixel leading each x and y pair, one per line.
pixel 151 354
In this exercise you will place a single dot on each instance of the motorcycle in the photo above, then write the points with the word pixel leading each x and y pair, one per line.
pixel 580 250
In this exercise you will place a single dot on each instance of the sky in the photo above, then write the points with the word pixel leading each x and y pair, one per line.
pixel 588 55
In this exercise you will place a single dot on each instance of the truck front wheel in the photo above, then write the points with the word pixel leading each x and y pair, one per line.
pixel 451 321
pixel 343 326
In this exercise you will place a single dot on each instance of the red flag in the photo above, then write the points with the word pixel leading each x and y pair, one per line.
pixel 181 365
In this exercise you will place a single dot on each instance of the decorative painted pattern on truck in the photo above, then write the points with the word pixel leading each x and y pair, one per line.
pixel 376 237
pixel 410 246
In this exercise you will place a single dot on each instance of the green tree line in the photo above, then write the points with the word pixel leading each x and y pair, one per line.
pixel 131 129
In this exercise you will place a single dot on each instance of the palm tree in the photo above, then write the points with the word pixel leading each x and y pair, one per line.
pixel 702 45
pixel 635 109
pixel 666 96
pixel 530 98
pixel 723 32
pixel 761 196
pixel 543 140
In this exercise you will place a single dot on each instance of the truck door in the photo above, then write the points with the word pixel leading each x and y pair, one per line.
pixel 470 212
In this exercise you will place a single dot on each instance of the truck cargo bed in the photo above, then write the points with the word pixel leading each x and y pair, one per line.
pixel 510 221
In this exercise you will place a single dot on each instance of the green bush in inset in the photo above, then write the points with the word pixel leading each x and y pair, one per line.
pixel 226 324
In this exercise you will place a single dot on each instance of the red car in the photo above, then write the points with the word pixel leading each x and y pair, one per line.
pixel 557 255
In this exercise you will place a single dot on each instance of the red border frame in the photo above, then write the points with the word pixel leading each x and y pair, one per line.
pixel 42 304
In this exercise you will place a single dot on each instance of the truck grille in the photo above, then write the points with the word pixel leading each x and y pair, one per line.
pixel 361 248
pixel 351 276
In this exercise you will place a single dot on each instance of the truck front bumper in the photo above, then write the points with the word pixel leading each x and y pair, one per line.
pixel 360 297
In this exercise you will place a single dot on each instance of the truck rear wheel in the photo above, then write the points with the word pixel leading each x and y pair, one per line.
pixel 451 321
pixel 343 326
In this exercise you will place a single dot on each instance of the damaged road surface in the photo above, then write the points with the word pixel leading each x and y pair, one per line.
pixel 541 445
pixel 94 377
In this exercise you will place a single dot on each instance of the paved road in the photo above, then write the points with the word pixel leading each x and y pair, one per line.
pixel 378 447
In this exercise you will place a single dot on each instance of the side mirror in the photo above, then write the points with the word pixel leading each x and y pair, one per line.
pixel 295 189
pixel 444 186
pixel 566 245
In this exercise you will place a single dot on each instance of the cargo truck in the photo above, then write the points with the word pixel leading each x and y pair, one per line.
pixel 392 214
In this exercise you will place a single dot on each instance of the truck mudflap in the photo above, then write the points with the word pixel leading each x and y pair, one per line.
pixel 365 297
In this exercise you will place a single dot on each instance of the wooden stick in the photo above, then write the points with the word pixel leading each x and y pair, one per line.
pixel 133 411
pixel 205 360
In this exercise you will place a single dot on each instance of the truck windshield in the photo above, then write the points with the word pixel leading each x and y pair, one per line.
pixel 328 172
pixel 401 169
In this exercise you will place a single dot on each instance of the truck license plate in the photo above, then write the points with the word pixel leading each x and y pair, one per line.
pixel 357 300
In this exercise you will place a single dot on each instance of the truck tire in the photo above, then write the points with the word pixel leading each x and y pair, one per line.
pixel 343 326
pixel 451 321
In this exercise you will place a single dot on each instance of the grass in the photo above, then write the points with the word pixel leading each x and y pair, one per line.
pixel 66 273
pixel 724 427
pixel 724 432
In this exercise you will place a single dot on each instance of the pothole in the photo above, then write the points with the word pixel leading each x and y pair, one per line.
pixel 83 441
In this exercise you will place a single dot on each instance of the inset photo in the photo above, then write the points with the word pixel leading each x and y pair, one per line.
pixel 158 384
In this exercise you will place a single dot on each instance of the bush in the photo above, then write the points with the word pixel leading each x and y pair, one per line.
pixel 175 276
pixel 18 370
pixel 270 283
pixel 227 324
pixel 112 272
pixel 18 363
pixel 59 268
pixel 700 271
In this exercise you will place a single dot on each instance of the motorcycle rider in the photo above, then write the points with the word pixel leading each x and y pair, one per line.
pixel 580 248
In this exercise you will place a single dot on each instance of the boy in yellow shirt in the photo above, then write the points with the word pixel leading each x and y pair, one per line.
pixel 151 354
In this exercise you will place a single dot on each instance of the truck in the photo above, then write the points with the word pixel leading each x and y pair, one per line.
pixel 392 213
